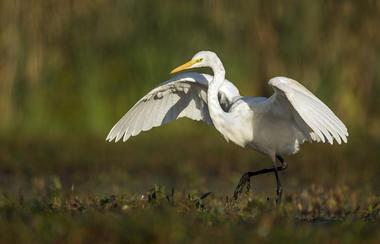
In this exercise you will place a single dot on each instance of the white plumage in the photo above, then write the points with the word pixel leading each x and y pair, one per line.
pixel 184 95
pixel 274 126
pixel 316 120
pixel 292 107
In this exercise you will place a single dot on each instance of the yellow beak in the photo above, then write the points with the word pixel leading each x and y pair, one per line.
pixel 183 66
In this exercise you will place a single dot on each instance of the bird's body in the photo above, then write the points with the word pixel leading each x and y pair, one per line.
pixel 274 126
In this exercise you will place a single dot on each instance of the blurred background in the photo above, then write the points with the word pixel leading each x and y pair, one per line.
pixel 70 69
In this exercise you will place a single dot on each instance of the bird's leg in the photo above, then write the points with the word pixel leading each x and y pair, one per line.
pixel 245 179
pixel 276 168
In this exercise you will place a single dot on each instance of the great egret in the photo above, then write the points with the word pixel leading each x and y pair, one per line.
pixel 274 126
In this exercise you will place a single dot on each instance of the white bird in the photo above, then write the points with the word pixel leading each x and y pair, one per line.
pixel 274 126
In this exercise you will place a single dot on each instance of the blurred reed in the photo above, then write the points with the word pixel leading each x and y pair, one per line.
pixel 76 66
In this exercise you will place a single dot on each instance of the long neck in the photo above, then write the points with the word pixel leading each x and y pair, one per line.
pixel 217 114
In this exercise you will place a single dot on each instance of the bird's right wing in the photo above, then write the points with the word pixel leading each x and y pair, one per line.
pixel 311 115
pixel 185 95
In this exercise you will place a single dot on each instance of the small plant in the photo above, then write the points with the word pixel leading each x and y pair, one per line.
pixel 198 201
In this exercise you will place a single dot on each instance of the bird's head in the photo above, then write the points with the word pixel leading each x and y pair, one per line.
pixel 199 60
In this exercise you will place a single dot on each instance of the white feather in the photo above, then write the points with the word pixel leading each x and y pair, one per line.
pixel 187 91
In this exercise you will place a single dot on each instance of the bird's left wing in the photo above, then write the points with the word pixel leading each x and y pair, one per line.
pixel 312 116
pixel 185 95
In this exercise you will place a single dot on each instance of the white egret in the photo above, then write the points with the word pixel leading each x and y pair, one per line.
pixel 274 126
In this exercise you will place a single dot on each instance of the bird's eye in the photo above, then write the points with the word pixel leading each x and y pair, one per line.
pixel 199 60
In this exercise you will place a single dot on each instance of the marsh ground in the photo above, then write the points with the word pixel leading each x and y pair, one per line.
pixel 70 69
pixel 82 190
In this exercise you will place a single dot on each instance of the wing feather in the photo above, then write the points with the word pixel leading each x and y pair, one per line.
pixel 312 116
pixel 330 119
pixel 329 124
pixel 185 95
pixel 330 116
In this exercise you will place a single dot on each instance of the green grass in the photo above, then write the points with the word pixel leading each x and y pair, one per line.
pixel 162 216
pixel 69 70
pixel 83 190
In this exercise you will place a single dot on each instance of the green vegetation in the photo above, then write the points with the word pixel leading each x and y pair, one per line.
pixel 77 66
pixel 161 216
pixel 83 190
pixel 70 69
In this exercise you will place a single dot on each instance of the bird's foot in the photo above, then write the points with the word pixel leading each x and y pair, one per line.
pixel 245 180
pixel 278 196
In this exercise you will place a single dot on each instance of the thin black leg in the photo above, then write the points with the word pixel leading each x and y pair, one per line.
pixel 279 187
pixel 278 183
pixel 246 178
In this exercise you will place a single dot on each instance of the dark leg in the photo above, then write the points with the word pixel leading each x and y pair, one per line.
pixel 279 187
pixel 245 179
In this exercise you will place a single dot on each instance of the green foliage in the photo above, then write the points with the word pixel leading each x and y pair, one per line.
pixel 76 67
pixel 70 69
pixel 52 192
pixel 188 218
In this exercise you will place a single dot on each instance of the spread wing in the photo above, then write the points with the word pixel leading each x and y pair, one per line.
pixel 185 95
pixel 312 116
